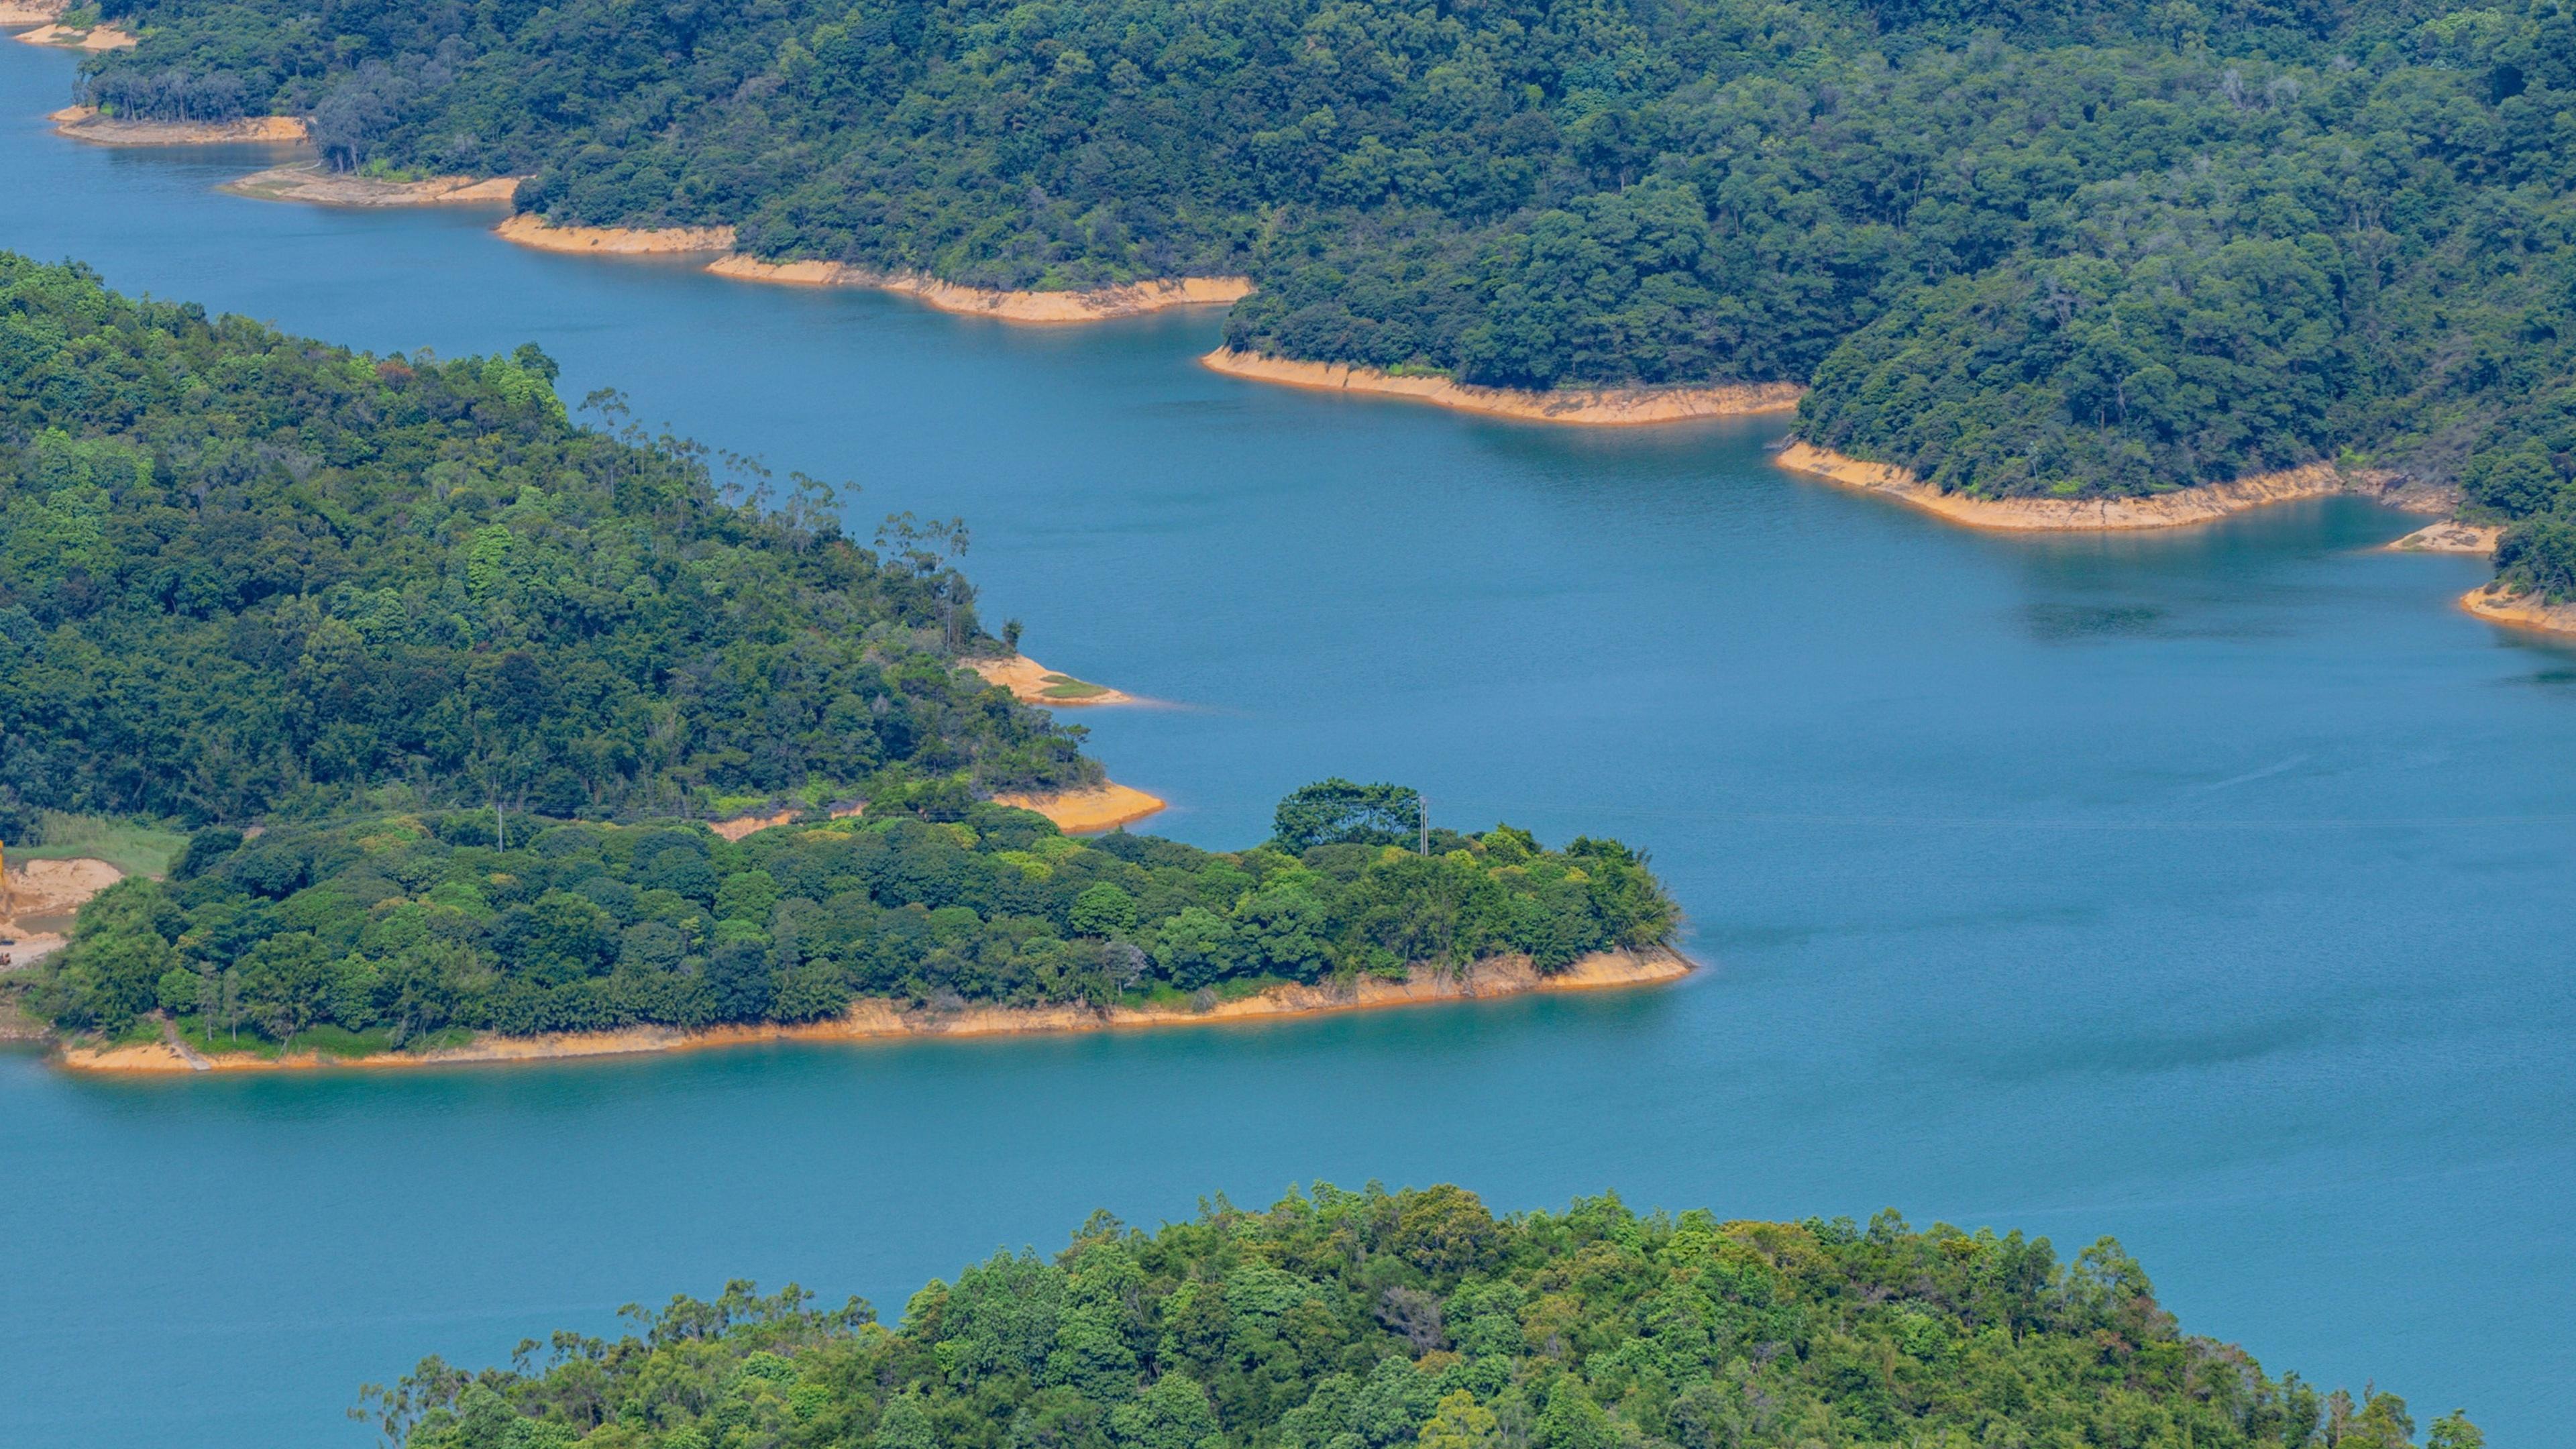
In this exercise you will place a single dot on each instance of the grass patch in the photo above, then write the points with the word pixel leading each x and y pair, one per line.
pixel 1065 686
pixel 132 848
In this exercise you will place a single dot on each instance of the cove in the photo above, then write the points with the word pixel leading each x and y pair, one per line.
pixel 2207 889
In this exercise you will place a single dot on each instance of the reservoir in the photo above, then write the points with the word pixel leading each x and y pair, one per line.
pixel 2210 889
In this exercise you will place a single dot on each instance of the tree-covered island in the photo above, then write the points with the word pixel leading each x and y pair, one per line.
pixel 450 684
pixel 1418 1320
pixel 2083 250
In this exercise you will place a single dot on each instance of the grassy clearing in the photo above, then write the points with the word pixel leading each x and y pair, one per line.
pixel 1065 686
pixel 132 848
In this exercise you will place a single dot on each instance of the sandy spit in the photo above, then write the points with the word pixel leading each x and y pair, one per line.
pixel 1599 406
pixel 1081 812
pixel 2498 604
pixel 97 37
pixel 531 230
pixel 84 123
pixel 1093 306
pixel 2449 536
pixel 2201 504
pixel 310 182
pixel 1028 681
pixel 878 1020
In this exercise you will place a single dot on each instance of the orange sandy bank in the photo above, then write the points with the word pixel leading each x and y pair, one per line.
pixel 31 12
pixel 1612 406
pixel 1078 812
pixel 2200 504
pixel 2449 536
pixel 877 1019
pixel 84 123
pixel 1033 683
pixel 96 37
pixel 530 230
pixel 1091 306
pixel 2499 604
pixel 46 888
pixel 312 184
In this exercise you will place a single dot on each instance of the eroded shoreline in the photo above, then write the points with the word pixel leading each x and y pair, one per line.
pixel 1595 407
pixel 1098 305
pixel 2497 604
pixel 2202 503
pixel 875 1020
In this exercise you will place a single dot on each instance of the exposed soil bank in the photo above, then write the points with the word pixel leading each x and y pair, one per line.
pixel 742 825
pixel 1030 682
pixel 97 37
pixel 31 12
pixel 1091 306
pixel 84 123
pixel 878 1019
pixel 313 184
pixel 47 890
pixel 2200 504
pixel 531 230
pixel 2449 537
pixel 2498 604
pixel 1079 812
pixel 1598 406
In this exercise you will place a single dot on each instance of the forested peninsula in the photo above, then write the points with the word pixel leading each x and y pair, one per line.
pixel 421 937
pixel 2100 249
pixel 1419 1320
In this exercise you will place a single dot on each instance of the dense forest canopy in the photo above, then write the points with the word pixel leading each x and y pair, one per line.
pixel 1418 1320
pixel 396 929
pixel 243 573
pixel 2068 249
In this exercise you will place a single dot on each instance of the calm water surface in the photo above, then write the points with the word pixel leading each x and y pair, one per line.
pixel 2209 890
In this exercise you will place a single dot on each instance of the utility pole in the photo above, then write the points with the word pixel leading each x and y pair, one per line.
pixel 1422 814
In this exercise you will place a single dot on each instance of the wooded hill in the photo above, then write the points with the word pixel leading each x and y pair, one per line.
pixel 2067 249
pixel 1418 1320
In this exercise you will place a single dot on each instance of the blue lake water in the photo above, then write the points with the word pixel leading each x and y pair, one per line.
pixel 2211 889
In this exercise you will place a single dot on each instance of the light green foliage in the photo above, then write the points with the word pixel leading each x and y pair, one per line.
pixel 1339 1320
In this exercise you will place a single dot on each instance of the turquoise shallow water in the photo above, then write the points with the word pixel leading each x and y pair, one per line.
pixel 2209 889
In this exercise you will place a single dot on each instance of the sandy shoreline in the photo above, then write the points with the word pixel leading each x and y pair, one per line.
pixel 2498 605
pixel 96 37
pixel 84 123
pixel 2450 536
pixel 530 230
pixel 1096 305
pixel 1029 682
pixel 2203 503
pixel 881 1020
pixel 1598 407
pixel 308 182
pixel 1082 812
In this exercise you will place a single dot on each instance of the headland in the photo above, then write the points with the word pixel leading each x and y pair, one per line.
pixel 84 123
pixel 310 182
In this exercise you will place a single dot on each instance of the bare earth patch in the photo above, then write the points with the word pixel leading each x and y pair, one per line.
pixel 1589 406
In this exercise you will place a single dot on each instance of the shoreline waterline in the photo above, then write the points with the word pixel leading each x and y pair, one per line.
pixel 1593 407
pixel 874 1019
pixel 1096 305
pixel 2201 503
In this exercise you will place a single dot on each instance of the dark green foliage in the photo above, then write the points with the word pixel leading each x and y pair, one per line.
pixel 2104 248
pixel 410 924
pixel 1416 1320
pixel 245 573
pixel 1337 812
